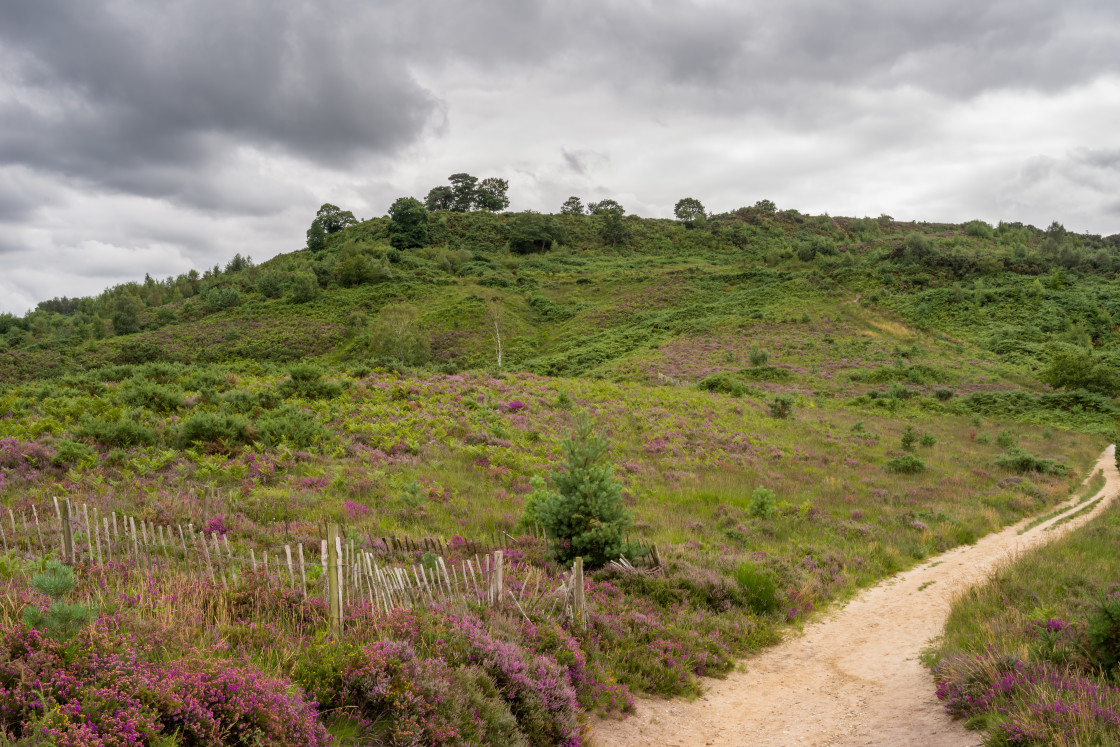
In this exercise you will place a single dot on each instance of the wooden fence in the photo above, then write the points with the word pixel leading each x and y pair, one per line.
pixel 337 569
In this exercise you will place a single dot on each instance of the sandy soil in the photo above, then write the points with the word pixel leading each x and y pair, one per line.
pixel 853 678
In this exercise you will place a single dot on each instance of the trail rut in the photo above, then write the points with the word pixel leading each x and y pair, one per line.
pixel 854 677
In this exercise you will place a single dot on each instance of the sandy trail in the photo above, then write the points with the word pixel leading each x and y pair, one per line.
pixel 854 677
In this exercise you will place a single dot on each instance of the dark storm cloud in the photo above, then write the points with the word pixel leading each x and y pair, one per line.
pixel 135 95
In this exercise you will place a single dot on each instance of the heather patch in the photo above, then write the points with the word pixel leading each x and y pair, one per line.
pixel 1030 657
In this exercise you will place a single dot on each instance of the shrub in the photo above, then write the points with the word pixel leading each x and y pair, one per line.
pixel 1104 632
pixel 355 270
pixel 909 438
pixel 898 391
pixel 293 426
pixel 217 299
pixel 1004 439
pixel 586 513
pixel 763 503
pixel 69 453
pixel 303 287
pixel 943 395
pixel 928 440
pixel 781 406
pixel 759 587
pixel 907 464
pixel 306 380
pixel 766 373
pixel 1018 460
pixel 99 691
pixel 166 315
pixel 140 393
pixel 396 334
pixel 241 401
pixel 1080 369
pixel 978 229
pixel 759 357
pixel 271 284
pixel 723 383
pixel 116 433
pixel 215 428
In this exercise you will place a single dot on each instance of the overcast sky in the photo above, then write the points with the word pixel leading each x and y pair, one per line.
pixel 140 136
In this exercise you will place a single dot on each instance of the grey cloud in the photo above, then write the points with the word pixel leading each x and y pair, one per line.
pixel 583 162
pixel 131 85
pixel 203 127
pixel 1101 158
pixel 742 56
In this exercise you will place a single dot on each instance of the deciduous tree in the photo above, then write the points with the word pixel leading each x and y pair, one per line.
pixel 408 224
pixel 333 219
pixel 491 194
pixel 689 211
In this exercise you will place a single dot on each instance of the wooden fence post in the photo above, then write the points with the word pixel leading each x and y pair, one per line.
pixel 302 572
pixel 67 534
pixel 499 577
pixel 332 581
pixel 578 601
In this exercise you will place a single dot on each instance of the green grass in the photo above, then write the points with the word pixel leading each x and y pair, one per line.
pixel 1091 488
pixel 1031 625
pixel 381 406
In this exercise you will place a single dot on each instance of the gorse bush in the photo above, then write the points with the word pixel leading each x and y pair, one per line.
pixel 1019 460
pixel 215 428
pixel 907 464
pixel 781 406
pixel 72 453
pixel 306 381
pixel 271 284
pixel 292 426
pixel 151 395
pixel 116 432
pixel 759 357
pixel 243 402
pixel 766 373
pixel 723 384
pixel 586 514
pixel 303 287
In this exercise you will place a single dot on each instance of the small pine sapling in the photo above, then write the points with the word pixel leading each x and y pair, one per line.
pixel 585 513
pixel 63 618
pixel 909 438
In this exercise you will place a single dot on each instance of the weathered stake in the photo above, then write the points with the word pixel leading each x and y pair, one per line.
pixel 332 581
pixel 67 535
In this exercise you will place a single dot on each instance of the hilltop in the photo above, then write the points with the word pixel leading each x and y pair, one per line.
pixel 796 406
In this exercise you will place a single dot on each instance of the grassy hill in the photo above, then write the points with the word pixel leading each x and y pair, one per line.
pixel 796 405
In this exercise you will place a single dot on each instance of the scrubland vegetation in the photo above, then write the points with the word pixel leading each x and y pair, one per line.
pixel 794 407
pixel 1031 657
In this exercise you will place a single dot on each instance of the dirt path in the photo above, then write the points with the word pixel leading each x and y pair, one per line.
pixel 853 678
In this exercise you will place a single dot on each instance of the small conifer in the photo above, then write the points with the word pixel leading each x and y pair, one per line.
pixel 585 513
